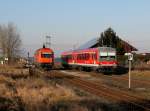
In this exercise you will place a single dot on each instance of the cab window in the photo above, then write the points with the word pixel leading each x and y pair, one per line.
pixel 46 55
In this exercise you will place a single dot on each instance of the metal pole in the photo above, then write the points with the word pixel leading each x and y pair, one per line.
pixel 48 41
pixel 28 57
pixel 74 47
pixel 129 74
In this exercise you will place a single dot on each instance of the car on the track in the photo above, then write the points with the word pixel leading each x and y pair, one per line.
pixel 100 58
pixel 44 57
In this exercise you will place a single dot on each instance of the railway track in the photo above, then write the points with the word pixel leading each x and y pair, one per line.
pixel 134 80
pixel 124 79
pixel 134 103
pixel 120 79
pixel 111 94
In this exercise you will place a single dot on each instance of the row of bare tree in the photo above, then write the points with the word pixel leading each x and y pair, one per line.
pixel 10 42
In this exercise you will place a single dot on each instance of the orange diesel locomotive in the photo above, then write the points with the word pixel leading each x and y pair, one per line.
pixel 44 57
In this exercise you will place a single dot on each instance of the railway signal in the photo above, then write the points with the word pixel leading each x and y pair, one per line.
pixel 130 58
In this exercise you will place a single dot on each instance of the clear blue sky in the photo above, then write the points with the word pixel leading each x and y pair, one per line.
pixel 73 22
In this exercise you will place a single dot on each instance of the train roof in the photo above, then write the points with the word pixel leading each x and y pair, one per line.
pixel 107 48
pixel 44 49
pixel 89 49
pixel 78 50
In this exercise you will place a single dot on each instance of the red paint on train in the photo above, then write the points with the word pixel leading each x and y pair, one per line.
pixel 101 57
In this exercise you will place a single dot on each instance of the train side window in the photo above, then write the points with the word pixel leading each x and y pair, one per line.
pixel 95 56
pixel 78 57
pixel 84 56
pixel 70 57
pixel 92 56
pixel 67 57
pixel 87 56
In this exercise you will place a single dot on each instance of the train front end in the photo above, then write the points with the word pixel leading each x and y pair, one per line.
pixel 44 58
pixel 107 59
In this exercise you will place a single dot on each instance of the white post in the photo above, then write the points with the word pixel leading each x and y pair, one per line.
pixel 129 74
pixel 130 58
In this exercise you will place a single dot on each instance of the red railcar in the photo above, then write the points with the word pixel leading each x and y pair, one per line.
pixel 101 58
pixel 44 57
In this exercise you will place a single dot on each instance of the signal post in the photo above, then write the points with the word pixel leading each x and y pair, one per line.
pixel 130 58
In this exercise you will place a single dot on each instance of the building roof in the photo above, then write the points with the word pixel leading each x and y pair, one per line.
pixel 89 44
pixel 94 43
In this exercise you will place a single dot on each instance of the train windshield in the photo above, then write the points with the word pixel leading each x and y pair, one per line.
pixel 46 55
pixel 107 56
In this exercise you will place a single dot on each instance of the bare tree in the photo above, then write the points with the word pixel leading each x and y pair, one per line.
pixel 10 41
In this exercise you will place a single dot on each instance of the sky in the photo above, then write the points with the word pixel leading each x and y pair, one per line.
pixel 71 23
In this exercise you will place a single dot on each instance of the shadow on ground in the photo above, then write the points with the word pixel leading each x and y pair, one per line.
pixel 118 71
pixel 13 104
pixel 94 105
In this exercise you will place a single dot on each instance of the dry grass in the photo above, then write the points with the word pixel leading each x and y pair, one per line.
pixel 141 75
pixel 142 67
pixel 5 79
pixel 19 91
pixel 145 74
pixel 5 91
pixel 7 87
pixel 41 91
pixel 12 69
pixel 33 93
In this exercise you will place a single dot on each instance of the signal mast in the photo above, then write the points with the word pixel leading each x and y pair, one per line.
pixel 48 41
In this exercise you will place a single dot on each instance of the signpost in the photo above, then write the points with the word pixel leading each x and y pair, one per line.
pixel 130 58
pixel 129 74
pixel 6 60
